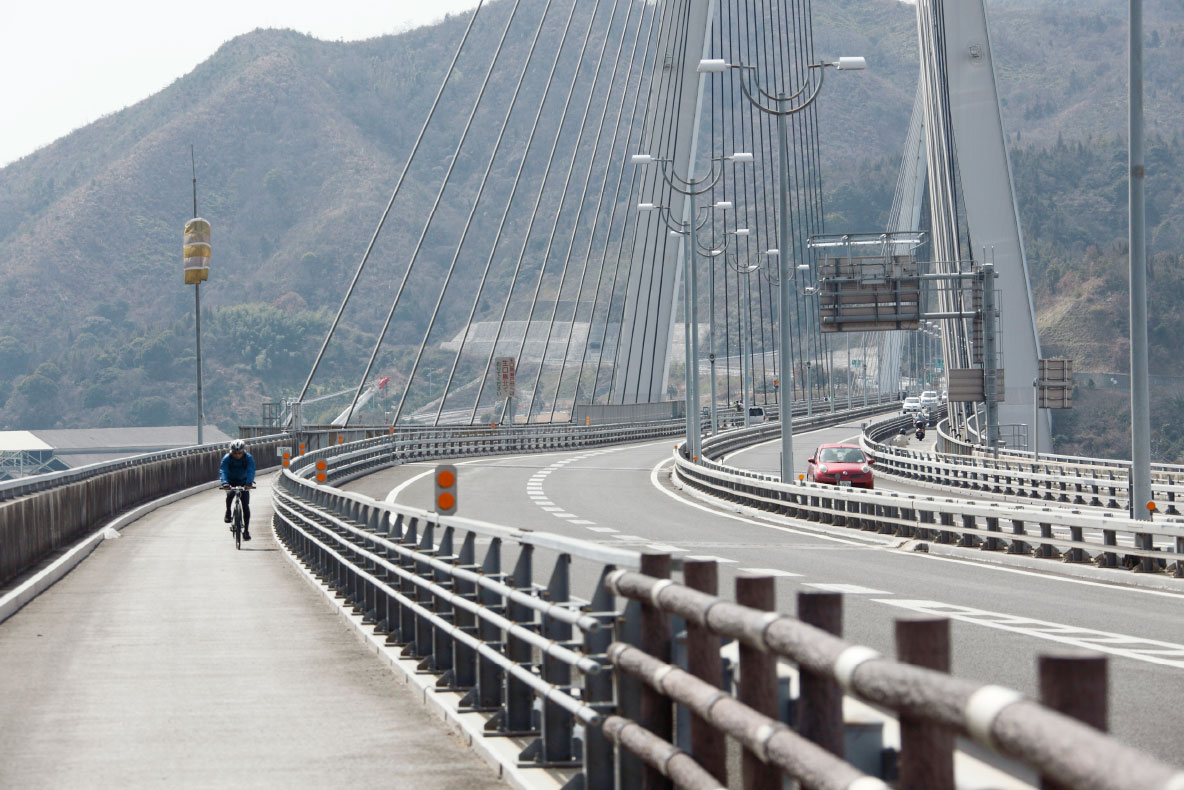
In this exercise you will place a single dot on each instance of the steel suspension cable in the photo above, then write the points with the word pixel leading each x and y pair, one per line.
pixel 534 212
pixel 575 226
pixel 615 204
pixel 469 220
pixel 609 159
pixel 394 194
pixel 506 212
pixel 435 205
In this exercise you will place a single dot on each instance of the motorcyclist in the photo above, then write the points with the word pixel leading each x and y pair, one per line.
pixel 238 469
pixel 901 439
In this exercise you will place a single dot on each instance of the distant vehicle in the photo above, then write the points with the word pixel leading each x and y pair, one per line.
pixel 841 465
pixel 930 399
pixel 757 414
pixel 911 404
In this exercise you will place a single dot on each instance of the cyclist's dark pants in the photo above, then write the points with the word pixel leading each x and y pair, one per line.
pixel 246 495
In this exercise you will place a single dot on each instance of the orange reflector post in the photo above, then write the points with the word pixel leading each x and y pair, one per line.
pixel 1151 506
pixel 321 466
pixel 341 438
pixel 320 477
pixel 801 478
pixel 302 448
pixel 445 479
pixel 287 459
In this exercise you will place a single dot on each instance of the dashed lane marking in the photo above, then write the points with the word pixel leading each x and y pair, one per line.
pixel 848 589
pixel 1150 651
pixel 768 572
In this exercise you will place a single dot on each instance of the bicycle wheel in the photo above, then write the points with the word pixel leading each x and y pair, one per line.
pixel 238 523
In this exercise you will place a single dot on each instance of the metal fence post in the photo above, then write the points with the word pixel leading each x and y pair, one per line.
pixel 599 768
pixel 657 712
pixel 554 748
pixel 820 710
pixel 758 680
pixel 708 746
pixel 463 675
pixel 519 699
pixel 1074 684
pixel 926 750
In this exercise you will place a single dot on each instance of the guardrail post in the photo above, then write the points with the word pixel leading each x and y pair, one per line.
pixel 758 680
pixel 407 588
pixel 463 674
pixel 519 699
pixel 629 689
pixel 599 769
pixel 926 750
pixel 555 746
pixel 442 645
pixel 820 708
pixel 1074 684
pixel 487 696
pixel 708 746
pixel 1018 546
pixel 657 712
pixel 993 543
pixel 1047 550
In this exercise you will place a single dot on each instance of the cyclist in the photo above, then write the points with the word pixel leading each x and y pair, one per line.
pixel 238 469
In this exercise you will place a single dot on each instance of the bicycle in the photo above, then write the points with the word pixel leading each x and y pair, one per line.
pixel 236 514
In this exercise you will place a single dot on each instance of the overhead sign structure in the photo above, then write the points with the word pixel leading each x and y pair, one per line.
pixel 504 369
pixel 868 282
pixel 968 385
pixel 1055 384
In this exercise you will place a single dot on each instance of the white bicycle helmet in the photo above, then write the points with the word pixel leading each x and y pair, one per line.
pixel 239 445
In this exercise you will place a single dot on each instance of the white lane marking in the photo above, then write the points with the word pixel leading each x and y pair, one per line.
pixel 564 515
pixel 708 557
pixel 551 508
pixel 849 589
pixel 1150 651
pixel 768 572
pixel 583 521
pixel 663 547
pixel 632 538
pixel 394 492
pixel 602 529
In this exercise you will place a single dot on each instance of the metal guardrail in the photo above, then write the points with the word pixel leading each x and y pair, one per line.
pixel 1062 533
pixel 1087 482
pixel 572 676
pixel 43 514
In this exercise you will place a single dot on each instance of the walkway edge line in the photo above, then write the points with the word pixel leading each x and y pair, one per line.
pixel 500 754
pixel 15 599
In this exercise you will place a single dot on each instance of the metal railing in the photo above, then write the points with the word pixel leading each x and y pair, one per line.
pixel 571 676
pixel 1062 533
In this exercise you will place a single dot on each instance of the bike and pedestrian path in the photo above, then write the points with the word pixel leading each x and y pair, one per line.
pixel 169 659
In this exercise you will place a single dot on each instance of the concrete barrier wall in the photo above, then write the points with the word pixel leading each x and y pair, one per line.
pixel 36 526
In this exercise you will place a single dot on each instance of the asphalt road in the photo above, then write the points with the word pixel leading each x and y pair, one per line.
pixel 1003 617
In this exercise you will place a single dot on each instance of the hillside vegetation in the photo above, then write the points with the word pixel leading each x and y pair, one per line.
pixel 299 143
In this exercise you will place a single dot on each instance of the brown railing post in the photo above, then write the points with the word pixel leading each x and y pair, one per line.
pixel 1074 684
pixel 708 746
pixel 926 750
pixel 657 712
pixel 758 680
pixel 820 708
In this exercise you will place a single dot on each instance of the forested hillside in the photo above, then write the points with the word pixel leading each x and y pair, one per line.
pixel 299 143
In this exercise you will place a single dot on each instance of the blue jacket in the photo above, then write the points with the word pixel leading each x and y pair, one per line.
pixel 237 471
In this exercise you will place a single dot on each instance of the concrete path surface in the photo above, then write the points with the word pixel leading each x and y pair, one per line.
pixel 168 659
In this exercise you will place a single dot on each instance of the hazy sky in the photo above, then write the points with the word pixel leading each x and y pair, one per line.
pixel 66 63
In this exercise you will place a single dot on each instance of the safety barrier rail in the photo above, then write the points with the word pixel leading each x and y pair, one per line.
pixel 571 676
pixel 1063 479
pixel 43 514
pixel 1060 533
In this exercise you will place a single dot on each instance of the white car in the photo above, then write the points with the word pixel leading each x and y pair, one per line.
pixel 930 400
pixel 911 404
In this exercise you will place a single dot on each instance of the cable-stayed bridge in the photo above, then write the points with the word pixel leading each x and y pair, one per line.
pixel 567 621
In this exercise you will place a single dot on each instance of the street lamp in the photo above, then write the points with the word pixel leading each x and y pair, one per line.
pixel 715 253
pixel 782 106
pixel 690 188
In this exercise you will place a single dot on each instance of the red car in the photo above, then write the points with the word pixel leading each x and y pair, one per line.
pixel 840 464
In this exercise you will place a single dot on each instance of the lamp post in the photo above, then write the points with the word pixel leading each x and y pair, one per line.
pixel 690 188
pixel 745 332
pixel 782 106
pixel 712 254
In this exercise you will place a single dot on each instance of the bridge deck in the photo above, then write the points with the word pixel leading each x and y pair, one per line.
pixel 169 659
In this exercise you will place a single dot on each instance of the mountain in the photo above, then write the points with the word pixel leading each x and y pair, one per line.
pixel 299 143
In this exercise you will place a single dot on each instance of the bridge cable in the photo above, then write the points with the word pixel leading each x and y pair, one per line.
pixel 432 213
pixel 394 194
pixel 534 213
pixel 534 127
pixel 469 221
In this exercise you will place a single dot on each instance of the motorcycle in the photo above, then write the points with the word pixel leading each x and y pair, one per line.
pixel 920 432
